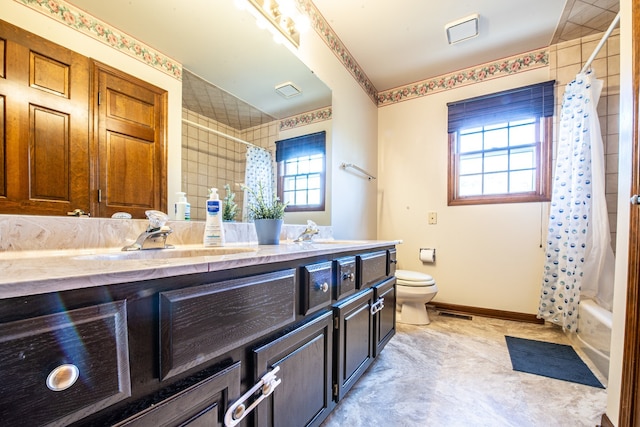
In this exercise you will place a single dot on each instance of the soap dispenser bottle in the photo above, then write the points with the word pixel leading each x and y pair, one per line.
pixel 213 229
pixel 182 208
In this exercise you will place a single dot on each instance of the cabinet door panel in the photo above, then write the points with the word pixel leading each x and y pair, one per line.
pixel 200 323
pixel 202 404
pixel 45 154
pixel 385 319
pixel 303 398
pixel 354 339
pixel 131 144
pixel 93 339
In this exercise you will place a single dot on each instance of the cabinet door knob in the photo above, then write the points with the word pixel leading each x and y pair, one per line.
pixel 324 287
pixel 349 276
pixel 63 377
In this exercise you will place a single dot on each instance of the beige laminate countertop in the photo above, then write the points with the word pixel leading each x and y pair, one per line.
pixel 37 272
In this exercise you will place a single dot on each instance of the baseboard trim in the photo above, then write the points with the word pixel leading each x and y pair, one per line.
pixel 487 312
pixel 605 421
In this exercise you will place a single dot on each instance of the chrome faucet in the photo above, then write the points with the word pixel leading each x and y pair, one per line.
pixel 155 236
pixel 308 233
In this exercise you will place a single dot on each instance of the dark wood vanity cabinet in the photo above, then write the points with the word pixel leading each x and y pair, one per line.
pixel 354 340
pixel 182 351
pixel 201 405
pixel 305 357
pixel 63 366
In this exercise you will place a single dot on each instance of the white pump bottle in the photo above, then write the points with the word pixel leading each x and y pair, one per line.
pixel 213 229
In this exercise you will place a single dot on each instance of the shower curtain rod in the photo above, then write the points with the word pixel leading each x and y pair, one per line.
pixel 217 132
pixel 602 41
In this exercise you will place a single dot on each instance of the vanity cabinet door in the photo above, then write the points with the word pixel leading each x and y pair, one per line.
pixel 63 367
pixel 353 339
pixel 200 323
pixel 200 405
pixel 304 356
pixel 384 320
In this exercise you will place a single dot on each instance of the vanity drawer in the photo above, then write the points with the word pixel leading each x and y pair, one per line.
pixel 316 286
pixel 345 277
pixel 393 262
pixel 202 404
pixel 372 268
pixel 42 354
pixel 200 323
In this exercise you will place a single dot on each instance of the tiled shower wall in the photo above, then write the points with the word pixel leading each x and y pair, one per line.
pixel 210 160
pixel 566 60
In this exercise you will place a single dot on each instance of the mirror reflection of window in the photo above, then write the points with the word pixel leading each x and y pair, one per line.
pixel 301 172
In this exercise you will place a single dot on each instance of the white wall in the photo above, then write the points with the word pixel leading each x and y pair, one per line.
pixel 353 140
pixel 43 26
pixel 486 255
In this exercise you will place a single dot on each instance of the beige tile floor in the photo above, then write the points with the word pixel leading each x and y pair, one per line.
pixel 457 372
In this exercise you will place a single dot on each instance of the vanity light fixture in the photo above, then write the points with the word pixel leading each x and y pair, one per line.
pixel 462 29
pixel 288 90
pixel 283 16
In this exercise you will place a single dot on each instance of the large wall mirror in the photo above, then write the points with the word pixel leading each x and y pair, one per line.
pixel 231 70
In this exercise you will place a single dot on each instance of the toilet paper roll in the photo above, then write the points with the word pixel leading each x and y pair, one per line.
pixel 427 255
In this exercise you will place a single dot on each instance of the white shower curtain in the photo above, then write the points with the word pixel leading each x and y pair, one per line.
pixel 259 170
pixel 579 259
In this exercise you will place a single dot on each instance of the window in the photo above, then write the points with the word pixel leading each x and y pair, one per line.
pixel 301 172
pixel 500 146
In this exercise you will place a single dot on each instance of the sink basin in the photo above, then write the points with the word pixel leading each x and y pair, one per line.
pixel 164 253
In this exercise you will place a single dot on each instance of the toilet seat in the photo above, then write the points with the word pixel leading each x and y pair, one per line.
pixel 413 278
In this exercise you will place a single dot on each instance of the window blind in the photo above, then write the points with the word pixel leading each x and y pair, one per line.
pixel 515 104
pixel 305 145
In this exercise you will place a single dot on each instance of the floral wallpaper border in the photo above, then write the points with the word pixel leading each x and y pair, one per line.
pixel 491 70
pixel 518 63
pixel 334 43
pixel 305 119
pixel 93 27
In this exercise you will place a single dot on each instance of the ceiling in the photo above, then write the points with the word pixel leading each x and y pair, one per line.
pixel 394 42
pixel 401 42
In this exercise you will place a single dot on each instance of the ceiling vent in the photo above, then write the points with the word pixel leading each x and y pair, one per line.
pixel 288 90
pixel 462 29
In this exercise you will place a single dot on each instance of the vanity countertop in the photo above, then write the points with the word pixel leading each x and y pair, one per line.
pixel 42 271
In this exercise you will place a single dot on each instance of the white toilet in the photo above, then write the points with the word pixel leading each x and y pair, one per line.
pixel 413 291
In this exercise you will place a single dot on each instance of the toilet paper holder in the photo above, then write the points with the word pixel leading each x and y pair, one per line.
pixel 427 255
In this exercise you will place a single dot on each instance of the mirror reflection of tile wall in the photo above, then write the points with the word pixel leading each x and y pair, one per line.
pixel 210 160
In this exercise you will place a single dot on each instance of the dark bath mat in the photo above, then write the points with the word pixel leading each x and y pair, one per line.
pixel 551 360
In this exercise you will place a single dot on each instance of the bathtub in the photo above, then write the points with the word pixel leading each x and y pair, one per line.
pixel 594 334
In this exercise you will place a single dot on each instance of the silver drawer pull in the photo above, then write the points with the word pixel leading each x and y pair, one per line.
pixel 324 287
pixel 238 410
pixel 377 306
pixel 349 276
pixel 63 377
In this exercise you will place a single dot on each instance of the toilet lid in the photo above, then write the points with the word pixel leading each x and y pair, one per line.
pixel 414 278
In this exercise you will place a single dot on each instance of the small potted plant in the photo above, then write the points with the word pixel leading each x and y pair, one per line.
pixel 267 215
pixel 229 206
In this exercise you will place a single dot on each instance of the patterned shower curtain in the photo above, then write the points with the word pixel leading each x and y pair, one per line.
pixel 579 259
pixel 259 169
